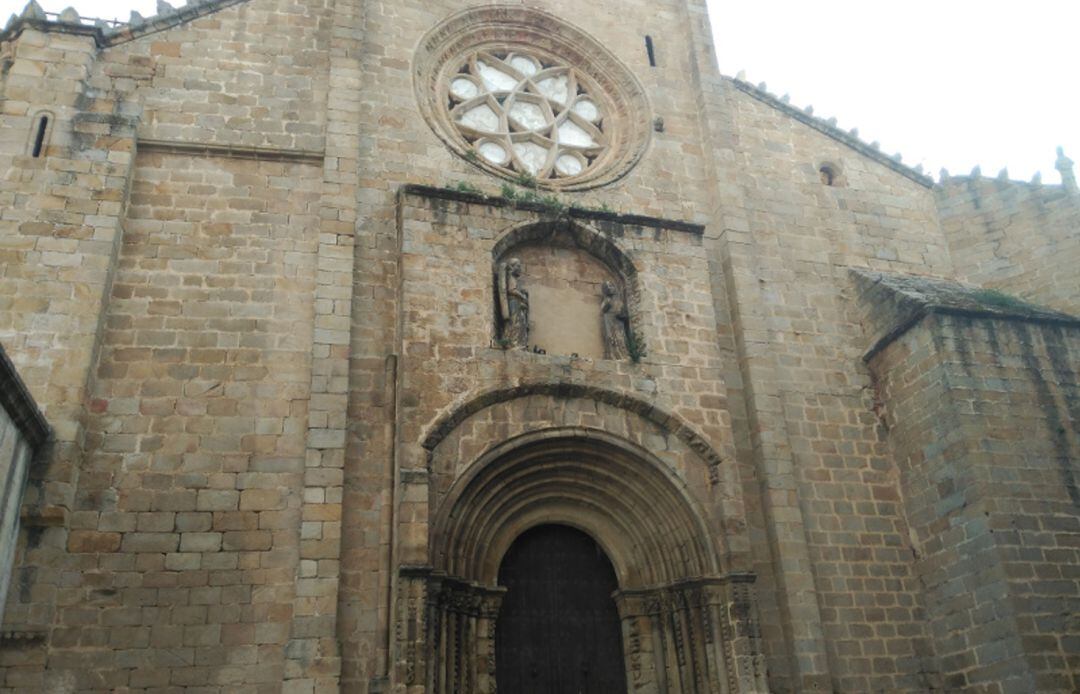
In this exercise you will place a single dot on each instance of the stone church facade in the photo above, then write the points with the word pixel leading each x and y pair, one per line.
pixel 329 304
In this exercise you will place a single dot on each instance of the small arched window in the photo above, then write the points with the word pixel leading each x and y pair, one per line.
pixel 831 174
pixel 40 131
pixel 650 50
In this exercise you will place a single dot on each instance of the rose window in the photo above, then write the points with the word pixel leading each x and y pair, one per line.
pixel 527 115
pixel 519 92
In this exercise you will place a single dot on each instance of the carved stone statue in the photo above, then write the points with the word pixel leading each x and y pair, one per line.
pixel 615 323
pixel 513 305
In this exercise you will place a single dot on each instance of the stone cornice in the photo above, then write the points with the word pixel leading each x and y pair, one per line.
pixel 167 20
pixel 571 211
pixel 209 149
pixel 17 25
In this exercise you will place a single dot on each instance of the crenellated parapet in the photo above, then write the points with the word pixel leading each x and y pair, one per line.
pixel 1015 236
pixel 828 127
pixel 109 32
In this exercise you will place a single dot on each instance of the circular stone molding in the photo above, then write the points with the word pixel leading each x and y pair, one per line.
pixel 522 94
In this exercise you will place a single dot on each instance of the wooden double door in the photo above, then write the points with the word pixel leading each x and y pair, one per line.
pixel 558 630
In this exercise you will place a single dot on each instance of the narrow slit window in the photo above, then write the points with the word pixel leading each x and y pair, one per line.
pixel 650 50
pixel 39 136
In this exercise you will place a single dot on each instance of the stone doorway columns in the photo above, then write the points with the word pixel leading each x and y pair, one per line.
pixel 445 636
pixel 695 637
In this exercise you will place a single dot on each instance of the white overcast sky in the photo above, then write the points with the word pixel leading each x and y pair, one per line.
pixel 953 83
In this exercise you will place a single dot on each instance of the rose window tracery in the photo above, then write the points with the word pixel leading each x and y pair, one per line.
pixel 519 92
pixel 526 114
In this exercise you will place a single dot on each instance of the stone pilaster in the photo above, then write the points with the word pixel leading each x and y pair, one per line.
pixel 315 623
pixel 734 252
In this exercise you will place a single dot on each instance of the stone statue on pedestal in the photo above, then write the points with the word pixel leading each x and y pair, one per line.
pixel 615 322
pixel 513 305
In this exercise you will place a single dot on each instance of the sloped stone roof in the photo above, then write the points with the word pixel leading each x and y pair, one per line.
pixel 893 303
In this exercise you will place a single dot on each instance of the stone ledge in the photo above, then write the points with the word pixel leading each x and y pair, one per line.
pixel 207 149
pixel 893 304
pixel 16 27
pixel 570 212
pixel 47 517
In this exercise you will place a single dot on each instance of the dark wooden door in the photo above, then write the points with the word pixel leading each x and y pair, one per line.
pixel 558 631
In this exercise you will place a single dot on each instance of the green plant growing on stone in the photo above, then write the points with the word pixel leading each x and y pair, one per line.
pixel 529 196
pixel 602 207
pixel 552 203
pixel 503 343
pixel 992 297
pixel 526 181
pixel 635 346
pixel 466 187
pixel 471 156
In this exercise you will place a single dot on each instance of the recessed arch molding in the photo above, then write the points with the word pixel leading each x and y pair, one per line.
pixel 646 410
pixel 584 236
pixel 631 503
pixel 687 627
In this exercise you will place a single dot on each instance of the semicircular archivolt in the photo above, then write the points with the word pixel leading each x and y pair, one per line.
pixel 667 421
pixel 635 508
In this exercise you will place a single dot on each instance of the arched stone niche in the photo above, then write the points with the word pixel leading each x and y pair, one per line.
pixel 689 624
pixel 563 288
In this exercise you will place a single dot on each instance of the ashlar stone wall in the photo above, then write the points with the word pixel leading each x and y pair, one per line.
pixel 831 508
pixel 185 529
pixel 60 219
pixel 982 416
pixel 1020 238
pixel 245 326
pixel 203 375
